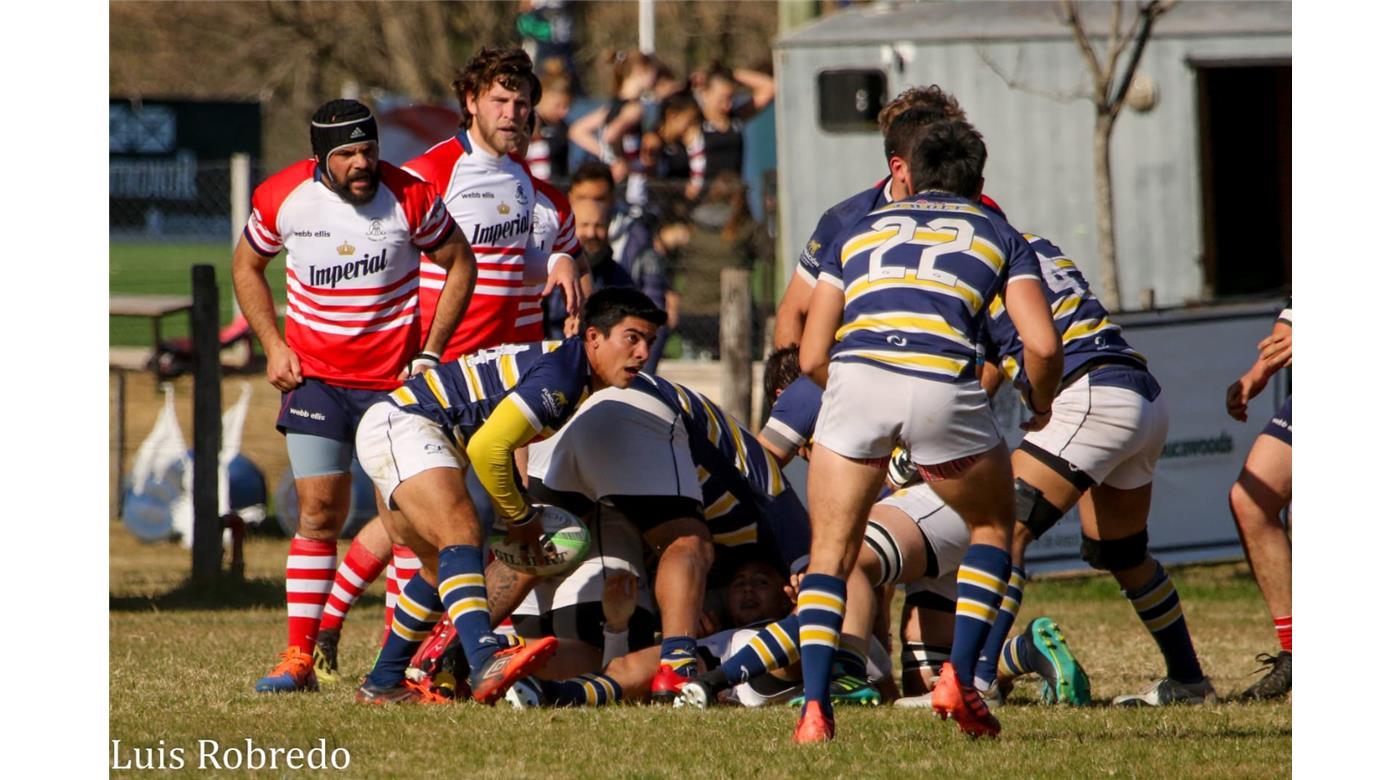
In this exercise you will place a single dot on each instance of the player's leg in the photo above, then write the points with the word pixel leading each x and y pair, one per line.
pixel 927 630
pixel 686 554
pixel 1258 500
pixel 368 555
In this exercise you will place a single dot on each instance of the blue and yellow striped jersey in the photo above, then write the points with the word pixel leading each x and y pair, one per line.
pixel 736 473
pixel 1081 320
pixel 546 380
pixel 917 276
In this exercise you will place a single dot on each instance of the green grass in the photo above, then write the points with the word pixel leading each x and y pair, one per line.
pixel 183 660
pixel 164 269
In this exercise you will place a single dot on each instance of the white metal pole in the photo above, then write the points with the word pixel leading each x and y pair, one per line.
pixel 240 188
pixel 646 26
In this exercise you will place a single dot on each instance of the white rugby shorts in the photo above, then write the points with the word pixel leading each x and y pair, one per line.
pixel 943 528
pixel 1110 433
pixel 867 411
pixel 394 446
pixel 616 547
pixel 620 442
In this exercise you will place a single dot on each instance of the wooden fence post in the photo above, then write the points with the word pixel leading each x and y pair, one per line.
pixel 736 343
pixel 207 553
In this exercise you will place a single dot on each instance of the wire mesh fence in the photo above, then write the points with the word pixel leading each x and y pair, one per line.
pixel 171 199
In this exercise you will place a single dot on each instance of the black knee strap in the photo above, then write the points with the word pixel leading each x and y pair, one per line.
pixel 1115 554
pixel 1081 480
pixel 1033 511
pixel 925 599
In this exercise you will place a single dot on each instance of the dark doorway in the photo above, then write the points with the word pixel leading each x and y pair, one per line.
pixel 1245 111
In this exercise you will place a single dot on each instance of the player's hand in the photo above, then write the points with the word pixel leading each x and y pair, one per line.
pixel 1036 422
pixel 565 276
pixel 283 368
pixel 619 600
pixel 528 531
pixel 571 326
pixel 1276 351
pixel 420 363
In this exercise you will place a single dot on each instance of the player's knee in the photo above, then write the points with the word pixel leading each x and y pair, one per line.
pixel 318 517
pixel 1034 512
pixel 694 548
pixel 1114 555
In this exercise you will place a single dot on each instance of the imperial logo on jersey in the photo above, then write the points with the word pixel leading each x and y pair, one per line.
pixel 1081 320
pixel 351 322
pixel 494 201
pixel 917 276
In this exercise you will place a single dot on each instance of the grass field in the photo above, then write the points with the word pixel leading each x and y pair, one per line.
pixel 164 269
pixel 183 662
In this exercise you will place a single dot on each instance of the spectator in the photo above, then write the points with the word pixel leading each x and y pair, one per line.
pixel 548 154
pixel 725 236
pixel 613 132
pixel 724 122
pixel 674 153
pixel 628 231
pixel 546 30
pixel 591 227
pixel 653 268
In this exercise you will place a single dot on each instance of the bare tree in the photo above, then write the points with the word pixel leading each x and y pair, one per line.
pixel 1110 87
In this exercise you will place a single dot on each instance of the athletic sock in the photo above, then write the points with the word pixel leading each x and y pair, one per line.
pixel 417 612
pixel 915 656
pixel 1159 608
pixel 405 565
pixel 1006 617
pixel 981 585
pixel 678 652
pixel 310 575
pixel 360 568
pixel 1284 627
pixel 848 661
pixel 463 591
pixel 772 648
pixel 592 690
pixel 1014 661
pixel 821 605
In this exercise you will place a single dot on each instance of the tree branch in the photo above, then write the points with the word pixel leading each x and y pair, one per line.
pixel 1147 16
pixel 1079 93
pixel 1076 26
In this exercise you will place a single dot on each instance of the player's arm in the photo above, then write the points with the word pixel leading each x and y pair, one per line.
pixel 783 453
pixel 456 257
pixel 819 332
pixel 255 300
pixel 1275 352
pixel 1042 352
pixel 792 311
pixel 990 378
pixel 491 453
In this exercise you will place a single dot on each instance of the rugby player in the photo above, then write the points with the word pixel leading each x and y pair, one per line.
pixel 353 227
pixel 891 336
pixel 1259 498
pixel 1100 451
pixel 479 410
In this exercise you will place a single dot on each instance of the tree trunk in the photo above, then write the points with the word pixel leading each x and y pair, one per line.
pixel 1107 286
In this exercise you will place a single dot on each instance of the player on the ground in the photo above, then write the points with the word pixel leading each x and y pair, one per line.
pixel 492 198
pixel 479 410
pixel 1102 445
pixel 890 334
pixel 1259 498
pixel 797 297
pixel 353 227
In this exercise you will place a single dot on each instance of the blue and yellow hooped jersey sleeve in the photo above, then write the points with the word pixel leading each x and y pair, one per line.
pixel 917 276
pixel 1082 322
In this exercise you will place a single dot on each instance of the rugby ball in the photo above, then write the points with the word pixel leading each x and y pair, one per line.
pixel 565 541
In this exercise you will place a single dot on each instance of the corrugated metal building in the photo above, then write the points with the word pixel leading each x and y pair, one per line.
pixel 1201 180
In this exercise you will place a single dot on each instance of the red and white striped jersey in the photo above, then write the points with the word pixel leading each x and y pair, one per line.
pixel 492 200
pixel 352 271
pixel 552 234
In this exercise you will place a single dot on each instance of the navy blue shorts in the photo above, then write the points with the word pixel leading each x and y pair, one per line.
pixel 318 409
pixel 1281 426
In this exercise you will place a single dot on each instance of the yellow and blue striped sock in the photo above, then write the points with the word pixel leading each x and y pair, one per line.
pixel 591 690
pixel 415 614
pixel 1159 608
pixel 981 585
pixel 678 652
pixel 772 648
pixel 1006 617
pixel 821 605
pixel 463 591
pixel 1014 659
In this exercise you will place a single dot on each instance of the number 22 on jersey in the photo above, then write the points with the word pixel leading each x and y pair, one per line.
pixel 940 236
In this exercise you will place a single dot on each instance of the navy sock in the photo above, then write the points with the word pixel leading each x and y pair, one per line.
pixel 678 652
pixel 821 605
pixel 1159 608
pixel 1015 658
pixel 772 648
pixel 981 584
pixel 415 616
pixel 463 591
pixel 1006 617
pixel 592 690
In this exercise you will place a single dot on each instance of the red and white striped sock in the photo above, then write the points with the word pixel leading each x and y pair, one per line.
pixel 1284 626
pixel 406 564
pixel 360 568
pixel 310 575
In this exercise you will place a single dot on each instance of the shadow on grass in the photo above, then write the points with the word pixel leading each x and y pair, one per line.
pixel 223 593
